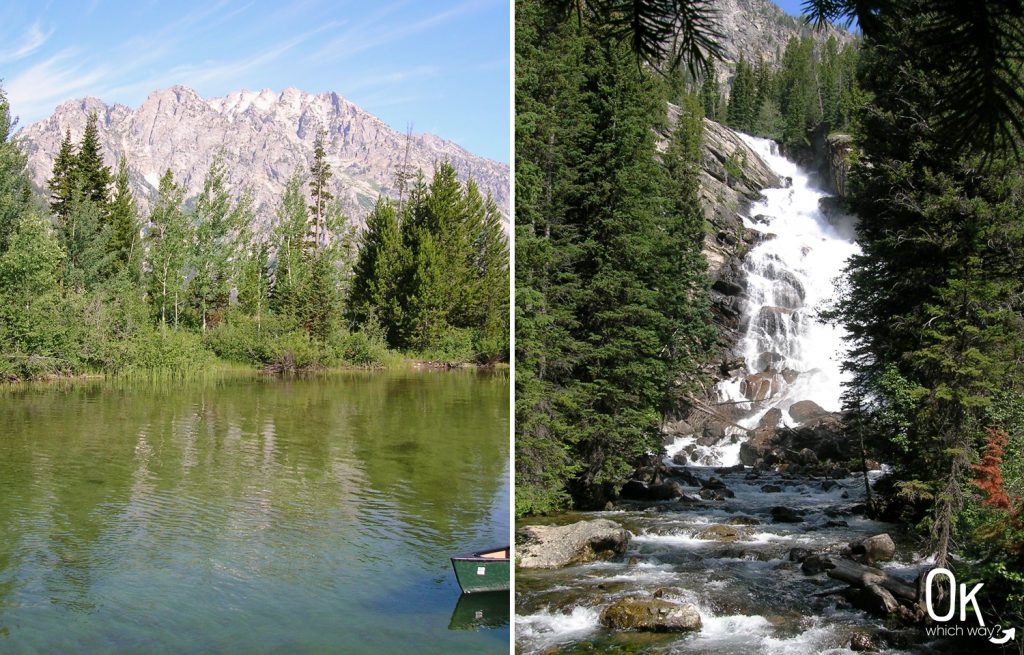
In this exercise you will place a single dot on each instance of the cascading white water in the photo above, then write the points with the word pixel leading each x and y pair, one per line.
pixel 789 354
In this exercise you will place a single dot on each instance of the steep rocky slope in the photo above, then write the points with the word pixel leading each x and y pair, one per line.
pixel 263 136
pixel 759 29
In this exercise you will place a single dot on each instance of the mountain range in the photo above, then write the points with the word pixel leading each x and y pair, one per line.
pixel 263 136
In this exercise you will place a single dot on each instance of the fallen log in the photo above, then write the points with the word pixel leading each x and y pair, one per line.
pixel 861 576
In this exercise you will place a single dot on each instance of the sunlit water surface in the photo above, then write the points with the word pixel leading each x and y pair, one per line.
pixel 249 515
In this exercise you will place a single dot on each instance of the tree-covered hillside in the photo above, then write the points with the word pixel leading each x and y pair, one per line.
pixel 87 284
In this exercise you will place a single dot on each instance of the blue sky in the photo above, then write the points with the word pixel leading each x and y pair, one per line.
pixel 441 65
pixel 791 7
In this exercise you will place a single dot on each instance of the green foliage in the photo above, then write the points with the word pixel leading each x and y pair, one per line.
pixel 933 306
pixel 743 98
pixel 815 87
pixel 610 283
pixel 215 250
pixel 437 276
pixel 168 241
pixel 84 292
pixel 125 246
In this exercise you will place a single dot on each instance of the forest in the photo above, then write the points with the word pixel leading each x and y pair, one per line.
pixel 612 322
pixel 90 285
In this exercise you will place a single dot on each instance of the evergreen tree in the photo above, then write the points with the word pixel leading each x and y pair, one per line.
pixel 492 292
pixel 289 246
pixel 600 329
pixel 933 299
pixel 92 175
pixel 380 271
pixel 64 180
pixel 320 195
pixel 743 97
pixel 709 92
pixel 124 224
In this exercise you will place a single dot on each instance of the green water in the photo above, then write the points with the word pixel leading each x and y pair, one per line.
pixel 249 515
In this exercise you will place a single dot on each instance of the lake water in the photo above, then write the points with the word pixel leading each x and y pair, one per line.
pixel 250 515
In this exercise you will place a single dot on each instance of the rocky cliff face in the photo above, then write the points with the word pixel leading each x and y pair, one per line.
pixel 759 29
pixel 263 136
pixel 731 178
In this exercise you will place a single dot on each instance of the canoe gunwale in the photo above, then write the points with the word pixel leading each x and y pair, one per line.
pixel 477 556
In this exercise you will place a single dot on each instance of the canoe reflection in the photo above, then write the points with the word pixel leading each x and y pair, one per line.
pixel 481 610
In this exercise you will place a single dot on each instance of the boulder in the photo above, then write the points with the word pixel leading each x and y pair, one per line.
pixel 813 564
pixel 861 643
pixel 798 554
pixel 761 386
pixel 716 494
pixel 782 514
pixel 771 419
pixel 805 410
pixel 651 615
pixel 771 489
pixel 681 458
pixel 742 520
pixel 637 490
pixel 768 360
pixel 719 533
pixel 879 548
pixel 555 546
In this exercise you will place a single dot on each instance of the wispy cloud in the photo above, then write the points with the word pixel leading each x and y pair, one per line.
pixel 375 78
pixel 34 38
pixel 52 80
pixel 375 31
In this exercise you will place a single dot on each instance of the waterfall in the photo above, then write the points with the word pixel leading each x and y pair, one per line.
pixel 789 355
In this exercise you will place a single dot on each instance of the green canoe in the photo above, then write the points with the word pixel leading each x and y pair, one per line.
pixel 486 570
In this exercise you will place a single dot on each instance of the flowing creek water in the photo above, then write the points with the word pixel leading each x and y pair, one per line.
pixel 250 514
pixel 751 598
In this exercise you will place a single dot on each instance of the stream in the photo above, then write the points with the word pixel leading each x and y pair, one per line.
pixel 751 597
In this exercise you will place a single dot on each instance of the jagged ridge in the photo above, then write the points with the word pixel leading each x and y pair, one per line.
pixel 264 136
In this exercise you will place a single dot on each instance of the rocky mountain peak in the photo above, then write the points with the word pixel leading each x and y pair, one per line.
pixel 264 137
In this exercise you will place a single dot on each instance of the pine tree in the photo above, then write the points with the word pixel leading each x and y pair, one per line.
pixel 92 175
pixel 63 182
pixel 743 98
pixel 709 92
pixel 492 291
pixel 124 224
pixel 320 195
pixel 289 240
pixel 380 271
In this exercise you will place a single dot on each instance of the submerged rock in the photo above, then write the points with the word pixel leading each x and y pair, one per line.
pixel 862 643
pixel 551 546
pixel 637 490
pixel 782 514
pixel 651 615
pixel 719 533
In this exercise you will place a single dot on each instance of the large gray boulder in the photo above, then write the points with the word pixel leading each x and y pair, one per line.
pixel 555 546
pixel 879 548
pixel 651 615
pixel 805 410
